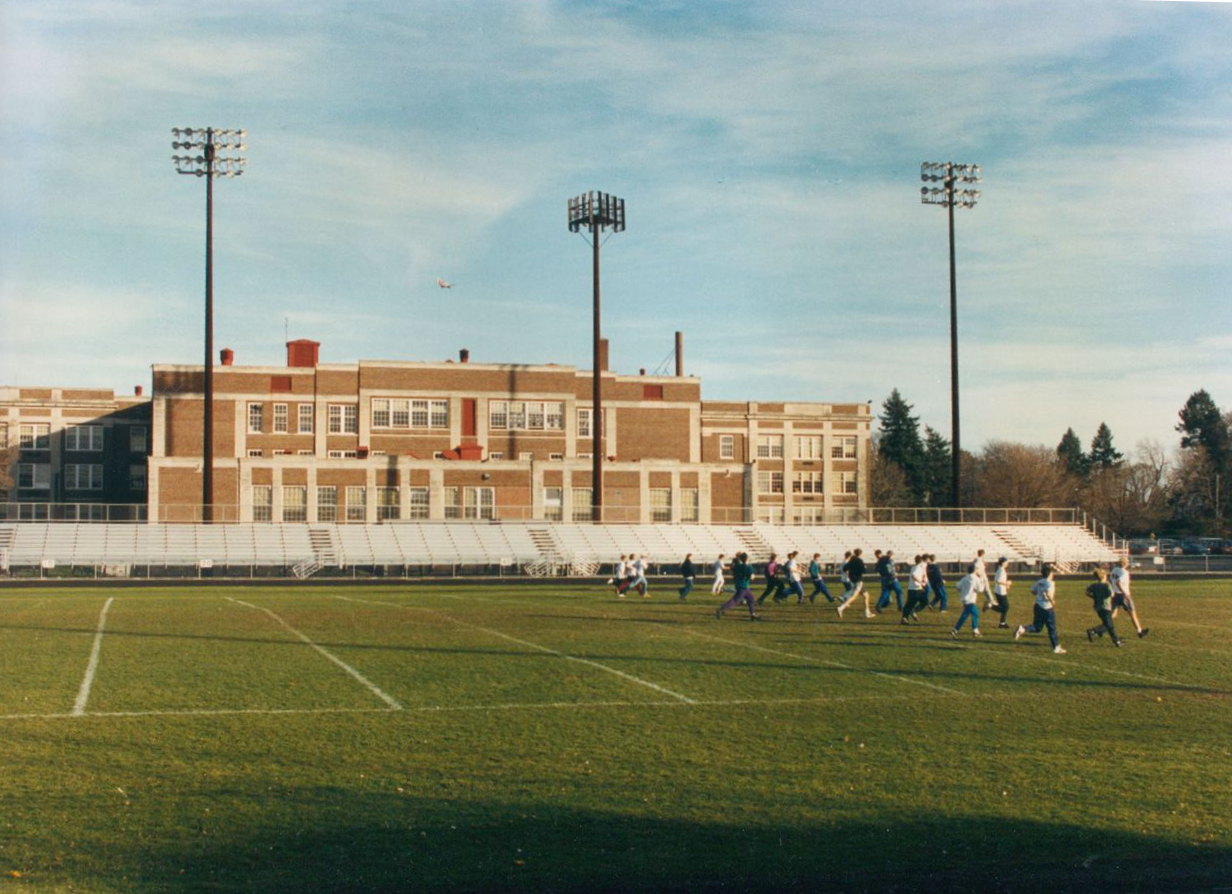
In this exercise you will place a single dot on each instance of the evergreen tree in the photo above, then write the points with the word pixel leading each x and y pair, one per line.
pixel 1203 425
pixel 899 442
pixel 1070 454
pixel 1103 455
pixel 938 469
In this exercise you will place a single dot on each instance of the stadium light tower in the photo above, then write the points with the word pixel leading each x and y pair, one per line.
pixel 950 195
pixel 205 161
pixel 596 212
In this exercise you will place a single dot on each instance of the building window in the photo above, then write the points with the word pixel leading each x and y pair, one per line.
pixel 690 506
pixel 843 447
pixel 137 479
pixel 556 456
pixel 496 455
pixel 137 438
pixel 553 504
pixel 341 454
pixel 343 419
pixel 808 516
pixel 660 504
pixel 305 419
pixel 83 476
pixel 356 504
pixel 254 452
pixel 769 482
pixel 727 446
pixel 770 515
pixel 520 415
pixel 848 483
pixel 470 502
pixel 526 456
pixel 582 503
pixel 80 438
pixel 809 447
pixel 327 504
pixel 388 504
pixel 408 413
pixel 303 453
pixel 417 502
pixel 33 476
pixel 770 447
pixel 256 418
pixel 807 483
pixel 34 436
pixel 294 504
pixel 262 503
pixel 584 415
pixel 281 418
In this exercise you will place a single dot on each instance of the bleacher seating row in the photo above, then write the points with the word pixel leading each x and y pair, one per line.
pixel 522 543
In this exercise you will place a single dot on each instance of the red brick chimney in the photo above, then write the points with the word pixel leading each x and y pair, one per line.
pixel 464 356
pixel 227 355
pixel 303 352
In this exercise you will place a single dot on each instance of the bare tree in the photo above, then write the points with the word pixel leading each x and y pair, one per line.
pixel 1133 497
pixel 1019 475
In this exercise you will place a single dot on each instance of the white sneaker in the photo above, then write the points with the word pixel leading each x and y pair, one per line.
pixel 1019 632
pixel 976 632
pixel 1059 651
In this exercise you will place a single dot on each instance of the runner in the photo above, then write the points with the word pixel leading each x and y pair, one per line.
pixel 1121 598
pixel 819 583
pixel 1001 589
pixel 917 590
pixel 1101 597
pixel 742 577
pixel 937 582
pixel 855 573
pixel 1045 592
pixel 717 570
pixel 969 588
pixel 688 572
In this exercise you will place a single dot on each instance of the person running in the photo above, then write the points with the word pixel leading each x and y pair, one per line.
pixel 1121 598
pixel 888 572
pixel 1045 592
pixel 638 575
pixel 819 583
pixel 618 577
pixel 742 577
pixel 773 584
pixel 843 577
pixel 688 572
pixel 855 573
pixel 719 581
pixel 982 570
pixel 970 586
pixel 1001 584
pixel 791 573
pixel 917 590
pixel 936 581
pixel 1100 594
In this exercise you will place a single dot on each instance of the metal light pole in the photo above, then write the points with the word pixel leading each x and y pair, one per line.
pixel 951 174
pixel 205 142
pixel 596 212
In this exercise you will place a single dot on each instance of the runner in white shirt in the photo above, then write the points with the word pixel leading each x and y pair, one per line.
pixel 1045 592
pixel 982 572
pixel 969 588
pixel 917 590
pixel 1001 589
pixel 618 576
pixel 719 581
pixel 1119 579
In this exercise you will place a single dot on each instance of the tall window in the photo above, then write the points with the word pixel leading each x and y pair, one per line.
pixel 256 418
pixel 807 483
pixel 137 478
pixel 83 476
pixel 262 503
pixel 34 476
pixel 401 412
pixel 769 446
pixel 727 446
pixel 281 418
pixel 327 503
pixel 356 504
pixel 660 504
pixel 843 447
pixel 294 504
pixel 137 438
pixel 305 419
pixel 553 504
pixel 80 438
pixel 808 447
pixel 34 436
pixel 343 419
pixel 388 503
pixel 526 415
pixel 848 483
pixel 582 503
pixel 769 482
pixel 417 502
pixel 689 505
pixel 470 502
pixel 584 415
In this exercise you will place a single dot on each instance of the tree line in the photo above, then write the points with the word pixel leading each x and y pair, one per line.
pixel 1143 493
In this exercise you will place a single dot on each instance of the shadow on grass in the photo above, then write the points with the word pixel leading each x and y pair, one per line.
pixel 384 843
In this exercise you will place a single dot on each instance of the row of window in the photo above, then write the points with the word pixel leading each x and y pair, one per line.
pixel 806 483
pixel 77 476
pixel 33 436
pixel 807 447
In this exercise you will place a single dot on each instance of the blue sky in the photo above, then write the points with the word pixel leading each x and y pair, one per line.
pixel 768 153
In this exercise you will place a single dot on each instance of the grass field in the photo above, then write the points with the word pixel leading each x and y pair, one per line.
pixel 554 738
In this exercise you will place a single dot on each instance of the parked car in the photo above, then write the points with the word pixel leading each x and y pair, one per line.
pixel 1143 547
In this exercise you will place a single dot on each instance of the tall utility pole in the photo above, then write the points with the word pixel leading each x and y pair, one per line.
pixel 951 174
pixel 205 142
pixel 596 212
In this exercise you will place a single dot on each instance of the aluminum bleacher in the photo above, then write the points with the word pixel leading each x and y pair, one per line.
pixel 482 544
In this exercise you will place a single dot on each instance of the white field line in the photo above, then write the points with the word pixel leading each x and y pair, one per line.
pixel 1011 652
pixel 447 709
pixel 513 639
pixel 372 687
pixel 83 693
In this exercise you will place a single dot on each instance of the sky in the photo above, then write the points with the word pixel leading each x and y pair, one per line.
pixel 768 152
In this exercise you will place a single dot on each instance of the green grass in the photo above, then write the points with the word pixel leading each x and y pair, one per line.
pixel 220 751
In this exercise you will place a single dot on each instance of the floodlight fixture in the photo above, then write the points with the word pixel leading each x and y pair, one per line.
pixel 205 145
pixel 596 212
pixel 950 195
